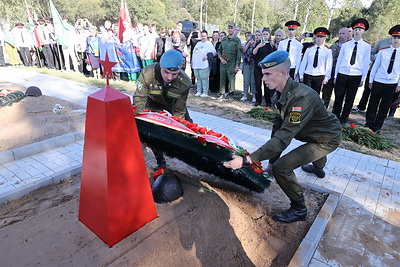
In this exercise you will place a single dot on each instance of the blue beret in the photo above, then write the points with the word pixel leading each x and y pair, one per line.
pixel 273 59
pixel 171 60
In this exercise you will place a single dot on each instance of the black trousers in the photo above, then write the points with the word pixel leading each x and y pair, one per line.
pixel 48 56
pixel 2 61
pixel 345 90
pixel 379 104
pixel 315 82
pixel 259 83
pixel 327 90
pixel 56 49
pixel 291 73
pixel 394 104
pixel 25 55
pixel 362 105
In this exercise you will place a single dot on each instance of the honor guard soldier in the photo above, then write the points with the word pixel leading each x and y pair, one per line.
pixel 45 36
pixel 384 82
pixel 23 42
pixel 362 105
pixel 351 69
pixel 335 48
pixel 163 86
pixel 293 47
pixel 302 116
pixel 316 66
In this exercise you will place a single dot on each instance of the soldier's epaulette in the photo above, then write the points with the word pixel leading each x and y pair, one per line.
pixel 328 47
pixel 311 46
pixel 384 47
pixel 367 42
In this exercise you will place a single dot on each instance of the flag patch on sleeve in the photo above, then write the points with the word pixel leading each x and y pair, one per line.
pixel 295 115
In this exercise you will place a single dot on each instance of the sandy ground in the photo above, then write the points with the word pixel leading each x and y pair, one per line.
pixel 229 226
pixel 32 119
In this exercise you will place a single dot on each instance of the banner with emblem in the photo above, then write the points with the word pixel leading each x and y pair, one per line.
pixel 123 53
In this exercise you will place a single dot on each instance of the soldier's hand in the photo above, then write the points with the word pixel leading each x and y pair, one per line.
pixel 235 163
pixel 361 84
pixel 334 81
pixel 370 86
pixel 236 69
pixel 301 80
pixel 397 89
pixel 223 61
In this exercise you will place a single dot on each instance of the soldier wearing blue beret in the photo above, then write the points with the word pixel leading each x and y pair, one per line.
pixel 302 116
pixel 163 86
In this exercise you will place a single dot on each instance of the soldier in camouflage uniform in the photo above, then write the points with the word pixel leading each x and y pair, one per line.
pixel 229 52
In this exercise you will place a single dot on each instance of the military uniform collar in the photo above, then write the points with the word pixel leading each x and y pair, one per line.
pixel 286 91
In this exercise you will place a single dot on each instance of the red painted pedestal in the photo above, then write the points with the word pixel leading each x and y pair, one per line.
pixel 115 197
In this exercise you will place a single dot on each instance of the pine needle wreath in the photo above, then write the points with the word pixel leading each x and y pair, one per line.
pixel 365 137
pixel 265 114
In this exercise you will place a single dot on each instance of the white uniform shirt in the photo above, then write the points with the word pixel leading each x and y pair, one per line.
pixel 22 37
pixel 360 67
pixel 200 51
pixel 294 52
pixel 381 65
pixel 324 66
pixel 44 34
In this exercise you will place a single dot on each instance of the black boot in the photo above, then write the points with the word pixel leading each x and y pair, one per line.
pixel 319 172
pixel 297 212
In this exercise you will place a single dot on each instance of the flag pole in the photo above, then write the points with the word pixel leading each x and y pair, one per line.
pixel 38 56
pixel 60 58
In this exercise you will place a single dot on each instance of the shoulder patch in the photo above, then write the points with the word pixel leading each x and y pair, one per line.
pixel 327 47
pixel 295 115
pixel 385 47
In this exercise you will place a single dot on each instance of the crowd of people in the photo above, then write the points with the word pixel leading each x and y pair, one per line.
pixel 215 59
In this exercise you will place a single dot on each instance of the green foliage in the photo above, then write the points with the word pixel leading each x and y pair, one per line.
pixel 260 113
pixel 365 137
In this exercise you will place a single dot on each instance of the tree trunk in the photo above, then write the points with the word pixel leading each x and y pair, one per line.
pixel 252 16
pixel 330 18
pixel 201 15
pixel 307 14
pixel 206 20
pixel 296 8
pixel 234 15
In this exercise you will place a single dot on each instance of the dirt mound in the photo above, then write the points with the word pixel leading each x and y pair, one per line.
pixel 32 119
pixel 214 224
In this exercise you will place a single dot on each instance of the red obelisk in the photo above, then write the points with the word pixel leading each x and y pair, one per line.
pixel 115 197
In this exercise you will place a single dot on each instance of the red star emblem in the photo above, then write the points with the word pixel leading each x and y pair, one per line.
pixel 107 65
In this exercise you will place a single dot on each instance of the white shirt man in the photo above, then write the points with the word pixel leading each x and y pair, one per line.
pixel 384 82
pixel 351 69
pixel 293 47
pixel 316 66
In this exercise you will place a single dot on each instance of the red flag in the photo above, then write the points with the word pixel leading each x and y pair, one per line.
pixel 33 29
pixel 123 16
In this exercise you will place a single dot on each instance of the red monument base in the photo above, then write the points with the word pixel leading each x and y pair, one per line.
pixel 115 196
